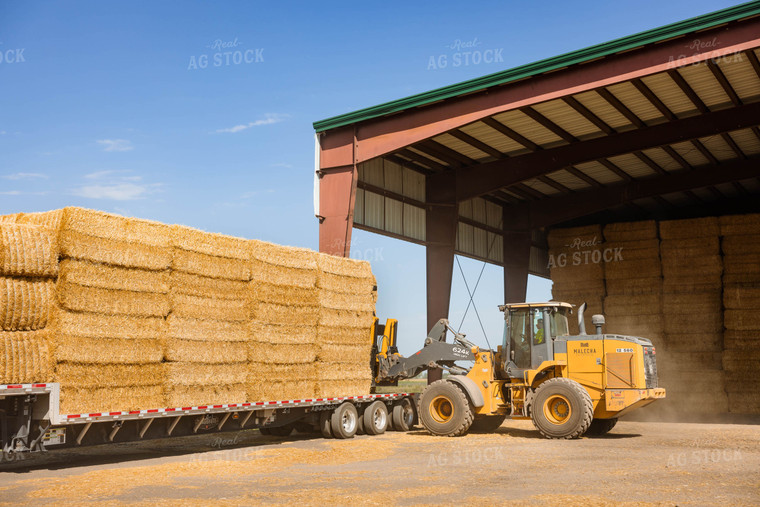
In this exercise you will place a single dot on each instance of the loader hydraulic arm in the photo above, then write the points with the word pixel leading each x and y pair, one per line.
pixel 436 353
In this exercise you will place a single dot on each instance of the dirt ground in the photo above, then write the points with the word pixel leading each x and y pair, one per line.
pixel 637 463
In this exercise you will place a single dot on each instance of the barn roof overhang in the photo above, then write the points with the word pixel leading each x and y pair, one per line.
pixel 658 124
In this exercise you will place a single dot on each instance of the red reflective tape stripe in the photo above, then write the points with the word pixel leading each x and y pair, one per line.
pixel 114 413
pixel 134 411
pixel 187 408
pixel 15 386
pixel 246 404
pixel 259 403
pixel 170 409
pixel 307 401
pixel 217 406
pixel 274 402
pixel 98 414
pixel 296 401
pixel 202 406
pixel 39 385
pixel 73 416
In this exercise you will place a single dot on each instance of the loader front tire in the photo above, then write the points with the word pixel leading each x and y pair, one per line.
pixel 562 408
pixel 444 409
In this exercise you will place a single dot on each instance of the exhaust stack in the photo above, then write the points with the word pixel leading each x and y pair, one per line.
pixel 581 323
pixel 598 321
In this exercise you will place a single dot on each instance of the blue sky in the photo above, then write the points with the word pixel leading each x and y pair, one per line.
pixel 108 105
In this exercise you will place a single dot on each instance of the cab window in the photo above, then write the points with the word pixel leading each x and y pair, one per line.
pixel 519 337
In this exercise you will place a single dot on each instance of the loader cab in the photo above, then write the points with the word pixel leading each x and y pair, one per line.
pixel 529 333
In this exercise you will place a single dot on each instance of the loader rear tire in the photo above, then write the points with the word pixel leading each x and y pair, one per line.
pixel 444 409
pixel 562 408
pixel 487 423
pixel 600 427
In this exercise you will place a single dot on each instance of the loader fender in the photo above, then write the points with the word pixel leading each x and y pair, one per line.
pixel 470 387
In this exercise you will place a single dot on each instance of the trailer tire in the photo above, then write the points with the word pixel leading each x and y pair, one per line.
pixel 344 421
pixel 360 425
pixel 281 431
pixel 265 431
pixel 562 408
pixel 600 427
pixel 376 418
pixel 304 427
pixel 403 415
pixel 487 423
pixel 444 409
pixel 325 423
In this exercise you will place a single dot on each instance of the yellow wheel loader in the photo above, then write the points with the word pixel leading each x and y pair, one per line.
pixel 567 385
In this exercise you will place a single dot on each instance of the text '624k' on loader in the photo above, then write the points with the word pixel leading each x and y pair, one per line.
pixel 568 385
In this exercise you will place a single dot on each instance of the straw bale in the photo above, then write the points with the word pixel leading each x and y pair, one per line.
pixel 344 335
pixel 188 374
pixel 207 265
pixel 345 318
pixel 103 276
pixel 738 264
pixel 704 381
pixel 696 342
pixel 633 250
pixel 285 334
pixel 196 307
pixel 343 266
pixel 577 272
pixel 199 395
pixel 741 297
pixel 740 245
pixel 747 355
pixel 559 238
pixel 25 357
pixel 690 284
pixel 339 301
pixel 204 286
pixel 25 303
pixel 10 219
pixel 339 353
pixel 279 353
pixel 631 231
pixel 76 245
pixel 742 320
pixel 27 250
pixel 209 243
pixel 206 330
pixel 633 269
pixel 739 225
pixel 79 298
pixel 742 382
pixel 676 250
pixel 708 265
pixel 750 276
pixel 108 375
pixel 346 284
pixel 687 303
pixel 197 351
pixel 270 313
pixel 338 388
pixel 283 294
pixel 741 339
pixel 80 349
pixel 689 228
pixel 641 304
pixel 75 400
pixel 590 286
pixel 283 275
pixel 688 361
pixel 287 256
pixel 634 286
pixel 695 322
pixel 52 220
pixel 343 371
pixel 261 390
pixel 97 325
pixel 744 403
pixel 280 372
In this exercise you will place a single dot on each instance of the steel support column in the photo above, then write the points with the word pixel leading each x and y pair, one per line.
pixel 441 233
pixel 337 196
pixel 517 242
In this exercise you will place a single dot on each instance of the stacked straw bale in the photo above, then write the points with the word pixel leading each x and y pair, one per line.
pixel 741 300
pixel 633 304
pixel 347 295
pixel 28 266
pixel 690 363
pixel 577 278
pixel 206 349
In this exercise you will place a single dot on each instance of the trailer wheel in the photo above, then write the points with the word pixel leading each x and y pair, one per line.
pixel 444 409
pixel 325 423
pixel 376 418
pixel 265 431
pixel 360 425
pixel 562 408
pixel 600 427
pixel 304 427
pixel 344 421
pixel 403 415
pixel 282 431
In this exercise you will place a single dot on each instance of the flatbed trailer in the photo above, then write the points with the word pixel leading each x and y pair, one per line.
pixel 30 419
